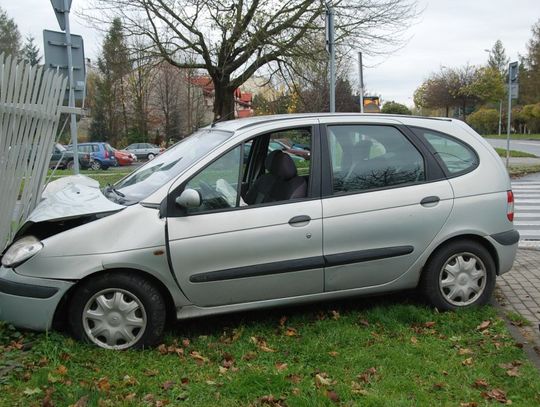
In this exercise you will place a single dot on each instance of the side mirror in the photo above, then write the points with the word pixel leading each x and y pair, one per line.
pixel 189 198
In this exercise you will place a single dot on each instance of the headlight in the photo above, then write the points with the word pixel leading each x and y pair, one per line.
pixel 21 250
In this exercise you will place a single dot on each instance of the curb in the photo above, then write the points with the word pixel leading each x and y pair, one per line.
pixel 527 346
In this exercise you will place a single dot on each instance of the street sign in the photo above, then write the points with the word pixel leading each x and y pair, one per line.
pixel 59 10
pixel 513 73
pixel 55 50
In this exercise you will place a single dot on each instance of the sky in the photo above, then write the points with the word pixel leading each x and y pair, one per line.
pixel 447 33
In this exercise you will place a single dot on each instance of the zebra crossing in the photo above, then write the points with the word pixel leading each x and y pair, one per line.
pixel 527 209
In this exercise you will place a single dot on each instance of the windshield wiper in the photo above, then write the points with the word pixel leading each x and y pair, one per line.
pixel 113 189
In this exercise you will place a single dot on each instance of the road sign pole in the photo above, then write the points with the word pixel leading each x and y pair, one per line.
pixel 71 102
pixel 332 51
pixel 512 86
pixel 361 76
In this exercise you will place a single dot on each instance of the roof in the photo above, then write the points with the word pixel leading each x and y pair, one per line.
pixel 234 125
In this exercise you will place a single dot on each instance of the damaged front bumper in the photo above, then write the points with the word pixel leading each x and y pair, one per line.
pixel 29 302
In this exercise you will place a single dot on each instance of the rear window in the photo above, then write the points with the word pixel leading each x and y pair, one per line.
pixel 457 157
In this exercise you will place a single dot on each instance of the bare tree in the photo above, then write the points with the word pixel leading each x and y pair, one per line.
pixel 234 38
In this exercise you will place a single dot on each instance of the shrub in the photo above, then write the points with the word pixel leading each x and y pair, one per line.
pixel 484 121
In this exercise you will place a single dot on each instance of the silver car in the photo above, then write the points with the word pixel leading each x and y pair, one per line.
pixel 386 203
pixel 143 150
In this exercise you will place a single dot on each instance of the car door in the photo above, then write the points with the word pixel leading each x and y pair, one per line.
pixel 227 253
pixel 384 201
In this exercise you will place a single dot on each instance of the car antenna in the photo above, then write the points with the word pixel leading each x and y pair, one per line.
pixel 221 119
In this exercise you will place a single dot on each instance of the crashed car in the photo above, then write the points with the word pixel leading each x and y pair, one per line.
pixel 385 203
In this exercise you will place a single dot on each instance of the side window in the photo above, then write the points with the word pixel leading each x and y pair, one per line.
pixel 296 143
pixel 218 183
pixel 456 156
pixel 368 157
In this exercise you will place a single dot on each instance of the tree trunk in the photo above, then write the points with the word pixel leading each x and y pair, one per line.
pixel 223 102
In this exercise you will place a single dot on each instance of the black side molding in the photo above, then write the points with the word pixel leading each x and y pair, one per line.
pixel 301 264
pixel 366 255
pixel 26 290
pixel 507 238
pixel 260 269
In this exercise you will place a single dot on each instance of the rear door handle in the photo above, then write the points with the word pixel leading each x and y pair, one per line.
pixel 430 201
pixel 299 220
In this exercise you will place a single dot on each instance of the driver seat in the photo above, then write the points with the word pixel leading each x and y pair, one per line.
pixel 281 183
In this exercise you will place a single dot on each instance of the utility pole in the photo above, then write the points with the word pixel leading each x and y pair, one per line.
pixel 71 101
pixel 361 76
pixel 512 92
pixel 330 47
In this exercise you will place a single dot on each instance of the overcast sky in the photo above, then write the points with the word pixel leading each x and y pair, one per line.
pixel 448 33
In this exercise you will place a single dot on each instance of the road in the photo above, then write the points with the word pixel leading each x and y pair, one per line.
pixel 527 207
pixel 528 146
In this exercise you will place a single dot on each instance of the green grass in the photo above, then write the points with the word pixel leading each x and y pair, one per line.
pixel 515 136
pixel 517 319
pixel 369 353
pixel 521 170
pixel 514 153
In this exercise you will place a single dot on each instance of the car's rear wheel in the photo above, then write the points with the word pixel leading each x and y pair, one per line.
pixel 96 165
pixel 459 275
pixel 151 156
pixel 70 165
pixel 118 311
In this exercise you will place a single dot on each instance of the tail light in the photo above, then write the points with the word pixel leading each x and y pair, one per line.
pixel 510 205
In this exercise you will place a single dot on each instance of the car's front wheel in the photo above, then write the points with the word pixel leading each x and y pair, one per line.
pixel 151 156
pixel 459 275
pixel 96 165
pixel 118 311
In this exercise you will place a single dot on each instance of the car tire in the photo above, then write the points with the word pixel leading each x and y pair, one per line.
pixel 70 164
pixel 123 309
pixel 96 165
pixel 151 156
pixel 460 274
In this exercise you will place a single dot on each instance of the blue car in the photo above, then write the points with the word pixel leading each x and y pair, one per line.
pixel 102 154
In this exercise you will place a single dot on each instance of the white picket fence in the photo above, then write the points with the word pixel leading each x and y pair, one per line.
pixel 30 101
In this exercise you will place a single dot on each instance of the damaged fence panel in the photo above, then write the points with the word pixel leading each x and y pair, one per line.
pixel 30 105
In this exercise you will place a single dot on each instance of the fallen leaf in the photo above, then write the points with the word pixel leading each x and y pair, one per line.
pixel 82 402
pixel 480 384
pixel 184 381
pixel 227 361
pixel 210 382
pixel 495 394
pixel 282 321
pixel 130 397
pixel 30 392
pixel 333 353
pixel 414 341
pixel 185 343
pixel 367 375
pixel 364 323
pixel 469 404
pixel 47 400
pixel 169 384
pixel 223 370
pixel 322 379
pixel 294 378
pixel 484 325
pixel 356 388
pixel 438 386
pixel 271 401
pixel 149 398
pixel 467 362
pixel 291 332
pixel 200 359
pixel 103 384
pixel 151 372
pixel 513 372
pixel 61 370
pixel 161 403
pixel 465 351
pixel 53 378
pixel 332 395
pixel 249 355
pixel 429 324
pixel 335 315
pixel 296 391
pixel 261 344
pixel 129 380
pixel 281 366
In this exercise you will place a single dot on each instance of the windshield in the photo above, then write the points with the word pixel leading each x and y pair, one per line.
pixel 147 179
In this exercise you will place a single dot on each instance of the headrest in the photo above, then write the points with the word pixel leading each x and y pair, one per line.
pixel 269 159
pixel 283 166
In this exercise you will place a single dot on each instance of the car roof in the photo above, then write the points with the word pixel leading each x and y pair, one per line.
pixel 238 124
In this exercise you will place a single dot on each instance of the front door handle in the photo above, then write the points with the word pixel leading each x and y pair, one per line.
pixel 430 201
pixel 300 220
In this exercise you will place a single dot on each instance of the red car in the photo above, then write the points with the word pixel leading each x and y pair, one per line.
pixel 123 157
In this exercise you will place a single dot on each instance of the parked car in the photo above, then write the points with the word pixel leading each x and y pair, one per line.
pixel 102 154
pixel 391 203
pixel 280 145
pixel 123 157
pixel 144 150
pixel 62 158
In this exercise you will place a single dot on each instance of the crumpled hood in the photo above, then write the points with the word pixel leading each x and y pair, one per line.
pixel 70 197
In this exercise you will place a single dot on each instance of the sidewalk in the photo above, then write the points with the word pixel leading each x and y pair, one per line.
pixel 519 291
